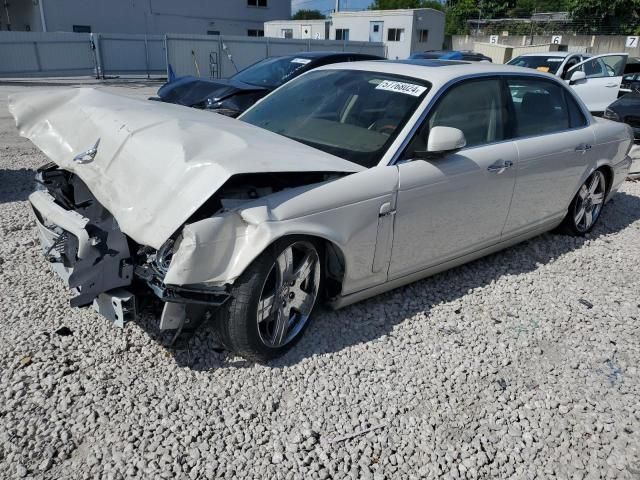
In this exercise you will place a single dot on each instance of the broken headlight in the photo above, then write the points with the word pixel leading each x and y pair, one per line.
pixel 164 256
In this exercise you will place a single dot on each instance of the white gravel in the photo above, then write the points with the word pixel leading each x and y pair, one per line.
pixel 520 365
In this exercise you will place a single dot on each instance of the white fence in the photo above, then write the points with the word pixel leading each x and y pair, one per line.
pixel 27 54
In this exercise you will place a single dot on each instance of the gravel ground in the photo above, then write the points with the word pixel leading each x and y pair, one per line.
pixel 520 365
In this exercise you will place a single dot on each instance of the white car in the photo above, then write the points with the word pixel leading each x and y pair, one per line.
pixel 348 181
pixel 596 79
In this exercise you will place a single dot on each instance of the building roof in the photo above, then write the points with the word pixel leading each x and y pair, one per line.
pixel 386 13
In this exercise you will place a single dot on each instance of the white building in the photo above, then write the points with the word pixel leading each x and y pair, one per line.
pixel 226 17
pixel 314 29
pixel 402 31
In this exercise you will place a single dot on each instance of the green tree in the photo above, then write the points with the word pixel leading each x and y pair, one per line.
pixel 605 16
pixel 396 4
pixel 308 15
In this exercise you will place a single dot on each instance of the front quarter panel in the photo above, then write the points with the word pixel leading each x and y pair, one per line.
pixel 344 211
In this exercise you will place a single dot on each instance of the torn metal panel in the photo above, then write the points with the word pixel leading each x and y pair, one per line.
pixel 344 211
pixel 155 163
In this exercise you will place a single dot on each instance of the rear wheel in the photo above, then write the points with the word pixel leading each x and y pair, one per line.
pixel 586 206
pixel 272 301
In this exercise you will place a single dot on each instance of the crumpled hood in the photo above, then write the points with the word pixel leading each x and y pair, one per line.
pixel 156 163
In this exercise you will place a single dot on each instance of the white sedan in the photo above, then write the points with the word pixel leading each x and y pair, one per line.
pixel 596 79
pixel 348 181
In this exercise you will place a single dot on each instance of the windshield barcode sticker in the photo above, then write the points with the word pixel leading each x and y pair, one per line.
pixel 303 61
pixel 402 87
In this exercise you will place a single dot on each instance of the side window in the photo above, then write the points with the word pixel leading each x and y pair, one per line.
pixel 539 106
pixel 576 117
pixel 476 107
pixel 572 62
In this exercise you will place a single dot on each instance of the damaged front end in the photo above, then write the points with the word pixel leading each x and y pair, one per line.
pixel 86 248
pixel 190 273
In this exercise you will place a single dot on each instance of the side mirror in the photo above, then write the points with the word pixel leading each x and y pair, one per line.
pixel 577 76
pixel 445 139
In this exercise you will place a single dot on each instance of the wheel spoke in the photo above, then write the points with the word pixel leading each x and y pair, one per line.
pixel 285 267
pixel 594 183
pixel 265 308
pixel 584 192
pixel 281 324
pixel 588 219
pixel 579 215
pixel 303 271
pixel 597 198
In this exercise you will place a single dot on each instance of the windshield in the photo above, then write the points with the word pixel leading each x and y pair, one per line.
pixel 541 63
pixel 272 72
pixel 351 114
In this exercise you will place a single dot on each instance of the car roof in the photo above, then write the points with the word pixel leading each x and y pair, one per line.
pixel 326 54
pixel 437 72
pixel 552 54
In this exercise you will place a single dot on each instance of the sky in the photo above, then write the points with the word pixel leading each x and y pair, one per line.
pixel 326 5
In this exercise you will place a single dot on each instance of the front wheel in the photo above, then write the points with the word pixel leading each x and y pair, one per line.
pixel 586 206
pixel 272 301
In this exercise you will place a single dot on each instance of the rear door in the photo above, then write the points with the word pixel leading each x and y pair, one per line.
pixel 554 143
pixel 604 76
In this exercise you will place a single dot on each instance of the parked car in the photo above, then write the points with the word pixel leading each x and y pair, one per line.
pixel 596 79
pixel 351 180
pixel 626 109
pixel 555 63
pixel 630 83
pixel 233 96
pixel 465 55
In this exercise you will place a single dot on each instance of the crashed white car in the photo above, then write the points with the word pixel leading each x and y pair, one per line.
pixel 349 181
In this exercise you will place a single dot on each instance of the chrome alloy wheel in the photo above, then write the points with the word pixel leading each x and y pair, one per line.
pixel 590 200
pixel 288 294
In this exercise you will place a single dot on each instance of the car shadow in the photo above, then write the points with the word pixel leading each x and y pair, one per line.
pixel 16 185
pixel 369 320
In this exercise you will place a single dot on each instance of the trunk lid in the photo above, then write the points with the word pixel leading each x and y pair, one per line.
pixel 156 163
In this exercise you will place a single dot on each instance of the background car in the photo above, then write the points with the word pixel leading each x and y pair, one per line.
pixel 349 181
pixel 555 63
pixel 626 109
pixel 466 55
pixel 596 79
pixel 233 96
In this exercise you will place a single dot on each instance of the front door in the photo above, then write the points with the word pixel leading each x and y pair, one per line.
pixel 603 78
pixel 456 203
pixel 375 31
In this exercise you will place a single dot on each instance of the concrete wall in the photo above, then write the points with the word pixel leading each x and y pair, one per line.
pixel 314 29
pixel 229 17
pixel 358 24
pixel 595 44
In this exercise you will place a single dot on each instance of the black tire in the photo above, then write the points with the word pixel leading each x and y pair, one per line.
pixel 237 324
pixel 576 224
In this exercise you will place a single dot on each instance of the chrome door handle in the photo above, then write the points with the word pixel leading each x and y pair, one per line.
pixel 583 147
pixel 500 166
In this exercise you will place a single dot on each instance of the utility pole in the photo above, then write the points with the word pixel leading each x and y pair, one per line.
pixel 337 6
